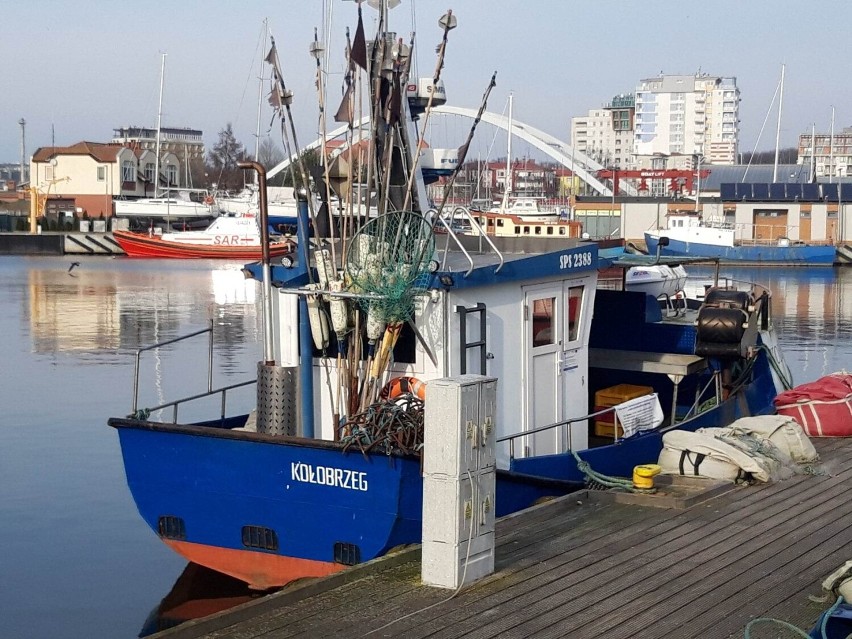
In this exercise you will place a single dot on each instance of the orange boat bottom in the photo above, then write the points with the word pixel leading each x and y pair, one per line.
pixel 259 570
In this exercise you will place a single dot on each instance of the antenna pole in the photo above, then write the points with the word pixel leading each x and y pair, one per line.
pixel 23 124
pixel 778 128
pixel 159 122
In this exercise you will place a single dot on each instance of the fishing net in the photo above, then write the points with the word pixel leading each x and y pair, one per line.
pixel 394 426
pixel 389 257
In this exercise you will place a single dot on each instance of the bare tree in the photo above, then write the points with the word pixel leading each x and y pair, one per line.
pixel 270 154
pixel 222 160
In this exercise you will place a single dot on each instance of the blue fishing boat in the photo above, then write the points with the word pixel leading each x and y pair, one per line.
pixel 688 235
pixel 326 472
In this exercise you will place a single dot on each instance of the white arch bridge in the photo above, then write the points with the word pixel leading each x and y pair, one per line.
pixel 582 165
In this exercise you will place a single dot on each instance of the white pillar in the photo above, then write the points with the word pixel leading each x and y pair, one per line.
pixel 459 481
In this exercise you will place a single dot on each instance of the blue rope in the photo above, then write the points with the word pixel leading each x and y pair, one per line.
pixel 801 633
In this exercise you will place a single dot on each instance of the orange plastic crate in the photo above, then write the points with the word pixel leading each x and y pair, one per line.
pixel 612 396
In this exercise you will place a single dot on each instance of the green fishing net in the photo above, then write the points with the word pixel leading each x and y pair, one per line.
pixel 389 257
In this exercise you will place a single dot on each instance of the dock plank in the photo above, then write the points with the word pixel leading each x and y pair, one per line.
pixel 586 566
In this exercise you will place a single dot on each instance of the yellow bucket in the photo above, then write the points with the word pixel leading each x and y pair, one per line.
pixel 643 476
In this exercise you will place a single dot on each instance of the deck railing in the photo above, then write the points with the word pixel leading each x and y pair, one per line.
pixel 541 429
pixel 695 408
pixel 222 391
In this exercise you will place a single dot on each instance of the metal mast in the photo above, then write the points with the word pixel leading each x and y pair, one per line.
pixel 159 118
pixel 23 124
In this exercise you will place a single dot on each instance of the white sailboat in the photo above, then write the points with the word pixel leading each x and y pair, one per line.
pixel 527 208
pixel 174 204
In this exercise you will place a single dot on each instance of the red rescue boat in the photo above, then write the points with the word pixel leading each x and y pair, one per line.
pixel 236 238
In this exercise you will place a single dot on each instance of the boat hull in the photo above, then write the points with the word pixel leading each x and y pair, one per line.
pixel 199 488
pixel 794 254
pixel 328 509
pixel 207 491
pixel 142 245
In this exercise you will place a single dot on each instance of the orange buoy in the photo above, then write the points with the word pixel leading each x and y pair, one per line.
pixel 208 200
pixel 402 385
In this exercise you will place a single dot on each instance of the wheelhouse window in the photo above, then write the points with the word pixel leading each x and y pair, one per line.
pixel 574 311
pixel 543 321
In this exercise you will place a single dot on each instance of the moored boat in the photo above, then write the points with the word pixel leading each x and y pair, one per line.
pixel 226 237
pixel 180 205
pixel 656 280
pixel 326 473
pixel 688 235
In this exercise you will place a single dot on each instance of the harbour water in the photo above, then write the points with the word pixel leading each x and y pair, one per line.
pixel 76 560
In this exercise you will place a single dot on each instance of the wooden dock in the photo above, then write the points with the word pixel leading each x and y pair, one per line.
pixel 589 566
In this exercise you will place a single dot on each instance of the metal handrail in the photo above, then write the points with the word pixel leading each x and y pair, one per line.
pixel 566 422
pixel 139 352
pixel 175 404
pixel 481 233
pixel 210 390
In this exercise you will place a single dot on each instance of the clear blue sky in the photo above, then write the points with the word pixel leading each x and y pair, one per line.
pixel 86 67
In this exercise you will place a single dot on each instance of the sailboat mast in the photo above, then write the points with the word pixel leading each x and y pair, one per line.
pixel 778 127
pixel 831 150
pixel 508 188
pixel 159 124
pixel 813 153
pixel 259 102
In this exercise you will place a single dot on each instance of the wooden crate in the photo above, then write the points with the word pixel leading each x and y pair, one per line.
pixel 605 425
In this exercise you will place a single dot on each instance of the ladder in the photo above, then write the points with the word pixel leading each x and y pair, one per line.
pixel 464 344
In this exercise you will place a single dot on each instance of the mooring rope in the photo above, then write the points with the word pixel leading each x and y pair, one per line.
pixel 801 633
pixel 607 480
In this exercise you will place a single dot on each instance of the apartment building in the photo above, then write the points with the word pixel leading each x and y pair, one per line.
pixel 187 145
pixel 606 134
pixel 828 155
pixel 683 115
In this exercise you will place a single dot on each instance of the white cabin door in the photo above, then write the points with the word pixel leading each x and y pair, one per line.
pixel 579 298
pixel 542 348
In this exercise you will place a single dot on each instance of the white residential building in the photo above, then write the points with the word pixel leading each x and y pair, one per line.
pixel 187 145
pixel 829 155
pixel 88 175
pixel 606 134
pixel 679 115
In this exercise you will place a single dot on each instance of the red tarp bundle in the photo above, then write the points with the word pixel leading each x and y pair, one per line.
pixel 823 408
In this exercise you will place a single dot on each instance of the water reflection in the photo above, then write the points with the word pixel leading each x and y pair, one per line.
pixel 198 592
pixel 94 309
pixel 812 309
pixel 67 518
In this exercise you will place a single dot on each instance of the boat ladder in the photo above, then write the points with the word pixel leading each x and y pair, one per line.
pixel 464 345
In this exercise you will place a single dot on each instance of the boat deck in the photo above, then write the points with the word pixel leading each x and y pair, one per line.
pixel 588 565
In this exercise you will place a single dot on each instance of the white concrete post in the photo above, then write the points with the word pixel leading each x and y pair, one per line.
pixel 459 482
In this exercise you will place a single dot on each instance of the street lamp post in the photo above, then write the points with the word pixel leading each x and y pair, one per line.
pixel 698 182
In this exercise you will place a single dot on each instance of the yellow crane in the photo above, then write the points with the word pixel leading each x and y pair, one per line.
pixel 38 201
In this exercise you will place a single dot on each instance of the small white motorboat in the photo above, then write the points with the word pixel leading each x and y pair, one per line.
pixel 656 280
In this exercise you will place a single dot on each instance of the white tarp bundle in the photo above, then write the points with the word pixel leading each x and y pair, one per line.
pixel 762 448
pixel 839 583
pixel 783 432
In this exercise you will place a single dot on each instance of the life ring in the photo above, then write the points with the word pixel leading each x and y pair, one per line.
pixel 208 200
pixel 402 385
